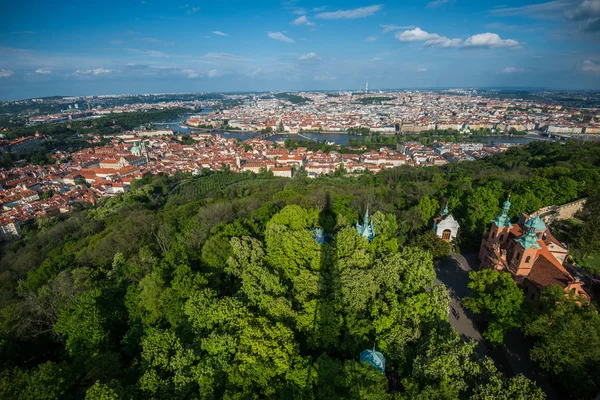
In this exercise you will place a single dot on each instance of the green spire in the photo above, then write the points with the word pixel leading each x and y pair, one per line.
pixel 366 230
pixel 503 219
pixel 529 240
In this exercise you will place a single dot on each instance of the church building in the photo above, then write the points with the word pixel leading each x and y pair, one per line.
pixel 445 226
pixel 529 252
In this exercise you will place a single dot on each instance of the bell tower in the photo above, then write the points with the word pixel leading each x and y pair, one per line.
pixel 497 234
pixel 525 252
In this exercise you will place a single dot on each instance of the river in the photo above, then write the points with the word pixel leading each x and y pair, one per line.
pixel 342 139
pixel 177 125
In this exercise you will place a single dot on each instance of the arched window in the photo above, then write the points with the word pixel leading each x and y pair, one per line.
pixel 501 237
pixel 518 256
pixel 493 234
pixel 528 259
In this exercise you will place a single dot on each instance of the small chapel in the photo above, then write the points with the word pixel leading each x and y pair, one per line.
pixel 445 226
pixel 530 252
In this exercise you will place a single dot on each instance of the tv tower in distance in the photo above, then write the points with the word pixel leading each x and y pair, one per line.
pixel 367 87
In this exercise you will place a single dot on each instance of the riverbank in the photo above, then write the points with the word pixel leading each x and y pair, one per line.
pixel 342 138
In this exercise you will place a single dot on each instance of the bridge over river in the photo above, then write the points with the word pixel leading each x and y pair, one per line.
pixel 570 136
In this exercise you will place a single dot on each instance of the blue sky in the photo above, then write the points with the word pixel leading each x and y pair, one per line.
pixel 148 46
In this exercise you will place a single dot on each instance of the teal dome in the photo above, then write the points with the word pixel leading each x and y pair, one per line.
pixel 373 357
pixel 536 223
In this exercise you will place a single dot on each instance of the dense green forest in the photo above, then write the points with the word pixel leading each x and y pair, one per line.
pixel 375 100
pixel 293 98
pixel 214 287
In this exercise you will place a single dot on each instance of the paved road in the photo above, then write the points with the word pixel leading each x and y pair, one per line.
pixel 454 273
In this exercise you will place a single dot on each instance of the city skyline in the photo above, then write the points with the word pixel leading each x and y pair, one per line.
pixel 152 47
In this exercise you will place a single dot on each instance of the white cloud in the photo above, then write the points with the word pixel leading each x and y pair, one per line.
pixel 302 20
pixel 43 71
pixel 207 37
pixel 325 78
pixel 437 3
pixel 354 13
pixel 512 70
pixel 213 73
pixel 481 40
pixel 421 69
pixel 317 9
pixel 280 36
pixel 429 39
pixel 376 59
pixel 388 28
pixel 415 35
pixel 442 41
pixel 97 71
pixel 219 33
pixel 5 73
pixel 490 40
pixel 190 73
pixel 588 66
pixel 308 56
pixel 371 39
pixel 299 11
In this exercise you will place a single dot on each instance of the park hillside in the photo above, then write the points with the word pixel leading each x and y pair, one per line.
pixel 244 286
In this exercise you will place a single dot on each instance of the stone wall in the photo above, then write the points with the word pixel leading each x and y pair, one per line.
pixel 558 213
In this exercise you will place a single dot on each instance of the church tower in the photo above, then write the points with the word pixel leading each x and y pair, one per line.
pixel 498 233
pixel 525 251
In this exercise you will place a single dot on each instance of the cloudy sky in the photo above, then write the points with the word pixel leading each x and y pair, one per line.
pixel 147 46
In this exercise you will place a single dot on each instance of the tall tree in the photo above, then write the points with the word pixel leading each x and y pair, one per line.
pixel 499 299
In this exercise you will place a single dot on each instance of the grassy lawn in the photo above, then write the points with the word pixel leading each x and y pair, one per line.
pixel 591 263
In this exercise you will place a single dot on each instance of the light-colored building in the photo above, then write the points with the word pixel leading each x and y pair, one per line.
pixel 445 226
pixel 285 172
pixel 11 230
